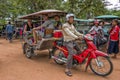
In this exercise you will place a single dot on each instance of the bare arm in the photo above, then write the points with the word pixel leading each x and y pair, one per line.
pixel 43 25
pixel 25 29
pixel 91 29
pixel 37 28
pixel 33 26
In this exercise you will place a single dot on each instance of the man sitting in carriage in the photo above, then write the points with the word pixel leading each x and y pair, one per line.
pixel 47 28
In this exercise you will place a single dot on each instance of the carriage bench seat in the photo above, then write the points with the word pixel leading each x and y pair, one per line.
pixel 46 43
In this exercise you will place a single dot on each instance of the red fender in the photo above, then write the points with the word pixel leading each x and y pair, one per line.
pixel 96 54
pixel 100 53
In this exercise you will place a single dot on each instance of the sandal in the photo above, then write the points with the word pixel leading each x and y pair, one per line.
pixel 114 57
pixel 68 73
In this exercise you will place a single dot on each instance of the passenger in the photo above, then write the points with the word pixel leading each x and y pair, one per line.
pixel 96 27
pixel 70 35
pixel 113 46
pixel 95 30
pixel 57 24
pixel 102 35
pixel 29 26
pixel 46 25
pixel 104 30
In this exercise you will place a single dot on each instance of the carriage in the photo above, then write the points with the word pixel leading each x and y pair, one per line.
pixel 45 43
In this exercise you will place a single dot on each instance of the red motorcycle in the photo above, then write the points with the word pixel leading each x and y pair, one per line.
pixel 99 62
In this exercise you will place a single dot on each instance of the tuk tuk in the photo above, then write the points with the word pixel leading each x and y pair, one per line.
pixel 45 43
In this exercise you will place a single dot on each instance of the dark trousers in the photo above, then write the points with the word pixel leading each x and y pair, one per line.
pixel 113 47
pixel 9 36
pixel 95 41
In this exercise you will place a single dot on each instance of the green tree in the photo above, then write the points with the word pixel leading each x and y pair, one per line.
pixel 86 8
pixel 81 8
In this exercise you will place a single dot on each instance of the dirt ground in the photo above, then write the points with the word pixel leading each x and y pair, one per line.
pixel 15 66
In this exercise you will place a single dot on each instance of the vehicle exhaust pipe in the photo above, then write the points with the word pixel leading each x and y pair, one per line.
pixel 62 60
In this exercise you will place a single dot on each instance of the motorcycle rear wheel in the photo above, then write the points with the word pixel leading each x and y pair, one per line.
pixel 58 54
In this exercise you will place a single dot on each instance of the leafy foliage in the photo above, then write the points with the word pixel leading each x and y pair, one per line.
pixel 81 8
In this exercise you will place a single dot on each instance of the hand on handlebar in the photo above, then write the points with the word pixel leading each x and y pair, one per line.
pixel 81 37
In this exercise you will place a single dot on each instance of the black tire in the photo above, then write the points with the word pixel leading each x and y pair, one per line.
pixel 101 74
pixel 29 51
pixel 24 47
pixel 55 54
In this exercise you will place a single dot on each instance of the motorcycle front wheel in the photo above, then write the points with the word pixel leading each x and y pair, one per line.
pixel 101 66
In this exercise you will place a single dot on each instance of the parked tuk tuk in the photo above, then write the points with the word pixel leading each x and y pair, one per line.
pixel 45 43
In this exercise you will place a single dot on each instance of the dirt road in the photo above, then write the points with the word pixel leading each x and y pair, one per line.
pixel 15 66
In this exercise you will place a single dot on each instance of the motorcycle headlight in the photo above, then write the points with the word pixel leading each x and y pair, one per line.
pixel 89 37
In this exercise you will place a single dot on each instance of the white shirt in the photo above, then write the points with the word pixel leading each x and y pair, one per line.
pixel 94 28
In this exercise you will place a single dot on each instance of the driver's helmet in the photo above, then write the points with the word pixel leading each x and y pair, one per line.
pixel 69 15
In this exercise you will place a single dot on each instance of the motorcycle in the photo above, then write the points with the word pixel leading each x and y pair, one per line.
pixel 99 39
pixel 95 59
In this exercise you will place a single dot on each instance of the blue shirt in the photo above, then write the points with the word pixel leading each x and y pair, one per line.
pixel 105 31
pixel 9 29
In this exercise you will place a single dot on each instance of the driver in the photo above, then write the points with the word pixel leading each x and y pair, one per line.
pixel 70 35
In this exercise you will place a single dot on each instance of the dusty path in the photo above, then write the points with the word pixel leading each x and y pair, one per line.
pixel 15 66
